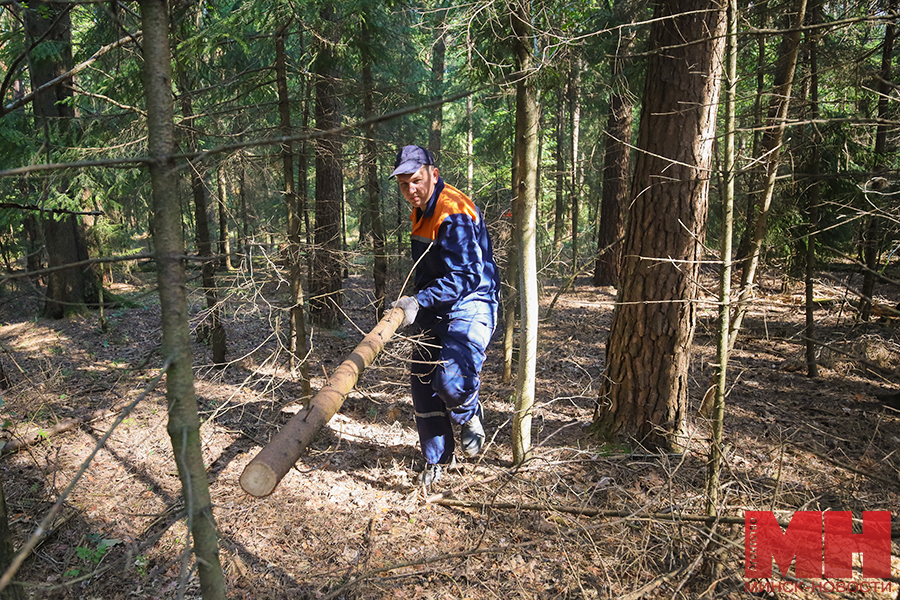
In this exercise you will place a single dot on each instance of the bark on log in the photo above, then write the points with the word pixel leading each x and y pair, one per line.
pixel 266 470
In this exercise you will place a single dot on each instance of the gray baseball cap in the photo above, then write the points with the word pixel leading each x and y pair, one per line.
pixel 410 159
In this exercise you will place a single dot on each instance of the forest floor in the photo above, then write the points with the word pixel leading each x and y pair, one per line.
pixel 580 520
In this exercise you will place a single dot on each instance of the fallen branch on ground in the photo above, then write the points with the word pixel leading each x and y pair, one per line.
pixel 596 512
pixel 65 425
pixel 27 548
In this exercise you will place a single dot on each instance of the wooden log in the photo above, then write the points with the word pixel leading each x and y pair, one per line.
pixel 266 470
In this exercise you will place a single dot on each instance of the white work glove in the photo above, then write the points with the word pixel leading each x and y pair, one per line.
pixel 410 307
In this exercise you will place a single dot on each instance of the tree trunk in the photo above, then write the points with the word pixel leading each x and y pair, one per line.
pixel 35 245
pixel 559 215
pixel 616 165
pixel 297 342
pixel 325 286
pixel 372 187
pixel 716 456
pixel 184 421
pixel 754 177
pixel 69 291
pixel 215 330
pixel 511 273
pixel 438 60
pixel 873 227
pixel 644 393
pixel 575 130
pixel 224 234
pixel 13 591
pixel 470 131
pixel 245 249
pixel 526 198
pixel 303 176
pixel 771 148
pixel 812 197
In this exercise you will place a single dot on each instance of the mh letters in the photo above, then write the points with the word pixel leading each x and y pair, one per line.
pixel 817 555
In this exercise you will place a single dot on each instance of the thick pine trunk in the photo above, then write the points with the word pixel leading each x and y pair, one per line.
pixel 616 170
pixel 325 285
pixel 184 421
pixel 644 393
pixel 34 244
pixel 69 291
pixel 615 190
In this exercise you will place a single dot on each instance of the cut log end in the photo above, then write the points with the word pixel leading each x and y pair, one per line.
pixel 258 479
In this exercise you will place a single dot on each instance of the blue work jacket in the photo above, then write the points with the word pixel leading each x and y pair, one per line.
pixel 457 276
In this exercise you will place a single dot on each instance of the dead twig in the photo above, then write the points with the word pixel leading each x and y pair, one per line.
pixel 26 549
pixel 61 427
pixel 841 465
pixel 595 512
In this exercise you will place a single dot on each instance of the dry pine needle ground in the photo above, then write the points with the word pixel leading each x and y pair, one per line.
pixel 349 521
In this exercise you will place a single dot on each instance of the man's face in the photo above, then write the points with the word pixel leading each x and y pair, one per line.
pixel 418 187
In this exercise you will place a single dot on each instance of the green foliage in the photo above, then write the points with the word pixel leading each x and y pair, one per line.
pixel 97 548
pixel 226 49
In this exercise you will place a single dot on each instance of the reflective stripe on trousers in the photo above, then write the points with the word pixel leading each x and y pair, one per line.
pixel 445 380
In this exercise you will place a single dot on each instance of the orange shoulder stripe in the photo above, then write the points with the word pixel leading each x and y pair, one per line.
pixel 450 202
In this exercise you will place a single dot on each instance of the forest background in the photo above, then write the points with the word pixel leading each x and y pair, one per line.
pixel 196 193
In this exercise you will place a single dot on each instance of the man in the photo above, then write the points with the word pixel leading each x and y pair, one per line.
pixel 455 308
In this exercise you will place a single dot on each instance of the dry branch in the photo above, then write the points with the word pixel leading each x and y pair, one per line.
pixel 38 534
pixel 840 465
pixel 68 74
pixel 61 427
pixel 55 211
pixel 266 470
pixel 596 512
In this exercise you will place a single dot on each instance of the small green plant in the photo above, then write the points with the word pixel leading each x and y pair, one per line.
pixel 94 554
pixel 140 564
pixel 73 572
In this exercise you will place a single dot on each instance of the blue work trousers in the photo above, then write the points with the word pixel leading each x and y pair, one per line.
pixel 446 364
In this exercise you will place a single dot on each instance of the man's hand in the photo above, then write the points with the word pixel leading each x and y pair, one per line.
pixel 410 307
